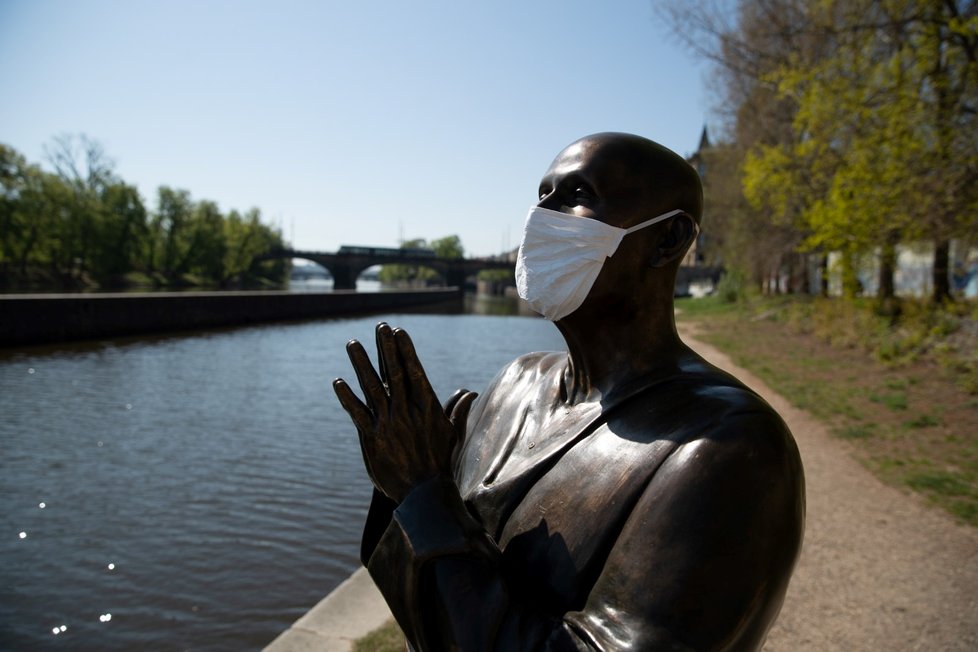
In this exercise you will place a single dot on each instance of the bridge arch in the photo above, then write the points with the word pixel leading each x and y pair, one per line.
pixel 346 267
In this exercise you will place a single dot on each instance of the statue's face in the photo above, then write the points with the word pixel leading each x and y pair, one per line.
pixel 613 178
pixel 599 178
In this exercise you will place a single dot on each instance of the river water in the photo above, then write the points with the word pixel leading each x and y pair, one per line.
pixel 197 492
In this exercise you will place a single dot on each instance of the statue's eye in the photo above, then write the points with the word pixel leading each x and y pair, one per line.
pixel 583 196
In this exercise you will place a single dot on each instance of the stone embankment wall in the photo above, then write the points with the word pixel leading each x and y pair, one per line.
pixel 43 318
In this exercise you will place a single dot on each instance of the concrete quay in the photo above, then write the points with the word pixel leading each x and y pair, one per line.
pixel 45 318
pixel 354 609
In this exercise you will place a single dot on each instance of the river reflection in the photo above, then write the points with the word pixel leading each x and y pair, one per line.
pixel 197 492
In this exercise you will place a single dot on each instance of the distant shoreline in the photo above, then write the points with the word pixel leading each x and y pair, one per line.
pixel 27 319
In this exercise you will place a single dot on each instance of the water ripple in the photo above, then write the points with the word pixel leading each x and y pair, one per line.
pixel 202 491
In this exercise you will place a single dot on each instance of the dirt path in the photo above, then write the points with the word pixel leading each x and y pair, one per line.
pixel 880 569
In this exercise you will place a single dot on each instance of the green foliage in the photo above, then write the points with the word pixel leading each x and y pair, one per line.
pixel 731 287
pixel 447 247
pixel 408 274
pixel 82 226
pixel 194 243
pixel 24 211
pixel 738 236
pixel 246 238
pixel 883 145
pixel 850 128
pixel 123 233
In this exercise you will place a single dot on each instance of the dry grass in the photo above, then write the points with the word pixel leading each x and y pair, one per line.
pixel 911 418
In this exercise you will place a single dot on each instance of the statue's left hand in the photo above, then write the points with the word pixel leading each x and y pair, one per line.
pixel 405 435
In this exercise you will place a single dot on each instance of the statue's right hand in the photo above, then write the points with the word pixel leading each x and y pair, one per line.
pixel 406 437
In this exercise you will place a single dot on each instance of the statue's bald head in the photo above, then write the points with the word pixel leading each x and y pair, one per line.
pixel 626 182
pixel 624 168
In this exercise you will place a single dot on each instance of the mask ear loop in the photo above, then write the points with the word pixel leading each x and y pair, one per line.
pixel 654 220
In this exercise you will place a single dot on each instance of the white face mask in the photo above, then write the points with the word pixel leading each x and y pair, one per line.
pixel 561 256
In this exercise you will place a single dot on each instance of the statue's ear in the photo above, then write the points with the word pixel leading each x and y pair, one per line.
pixel 679 235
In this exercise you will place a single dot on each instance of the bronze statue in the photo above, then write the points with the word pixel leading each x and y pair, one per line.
pixel 622 495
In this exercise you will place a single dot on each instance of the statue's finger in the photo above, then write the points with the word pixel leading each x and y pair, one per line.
pixel 387 353
pixel 460 412
pixel 419 387
pixel 370 383
pixel 452 400
pixel 360 414
pixel 381 363
pixel 366 439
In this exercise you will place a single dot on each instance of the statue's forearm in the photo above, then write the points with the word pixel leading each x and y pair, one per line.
pixel 442 577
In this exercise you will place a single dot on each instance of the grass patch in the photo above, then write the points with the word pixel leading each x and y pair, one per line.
pixel 858 431
pixel 941 482
pixel 892 401
pixel 907 414
pixel 922 421
pixel 967 511
pixel 693 308
pixel 386 638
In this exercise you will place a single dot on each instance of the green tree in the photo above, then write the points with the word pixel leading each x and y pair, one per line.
pixel 745 45
pixel 207 243
pixel 22 213
pixel 448 247
pixel 738 236
pixel 246 239
pixel 398 273
pixel 171 225
pixel 85 173
pixel 243 242
pixel 123 233
pixel 82 223
pixel 884 133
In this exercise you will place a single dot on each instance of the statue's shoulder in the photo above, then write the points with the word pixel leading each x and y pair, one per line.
pixel 703 404
pixel 540 361
pixel 532 368
pixel 530 375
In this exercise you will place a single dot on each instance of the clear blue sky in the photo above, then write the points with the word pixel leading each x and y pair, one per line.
pixel 346 122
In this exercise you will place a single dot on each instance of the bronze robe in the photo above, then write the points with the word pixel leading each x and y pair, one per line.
pixel 670 519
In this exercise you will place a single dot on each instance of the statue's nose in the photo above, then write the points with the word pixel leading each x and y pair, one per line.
pixel 550 201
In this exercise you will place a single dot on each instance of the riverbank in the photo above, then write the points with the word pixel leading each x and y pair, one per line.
pixel 910 418
pixel 45 318
pixel 351 611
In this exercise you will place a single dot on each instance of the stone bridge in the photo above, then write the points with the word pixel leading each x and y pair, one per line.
pixel 345 267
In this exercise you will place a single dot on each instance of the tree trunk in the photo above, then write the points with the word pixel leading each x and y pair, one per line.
pixel 792 274
pixel 942 282
pixel 804 278
pixel 887 271
pixel 887 304
pixel 850 280
pixel 824 267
